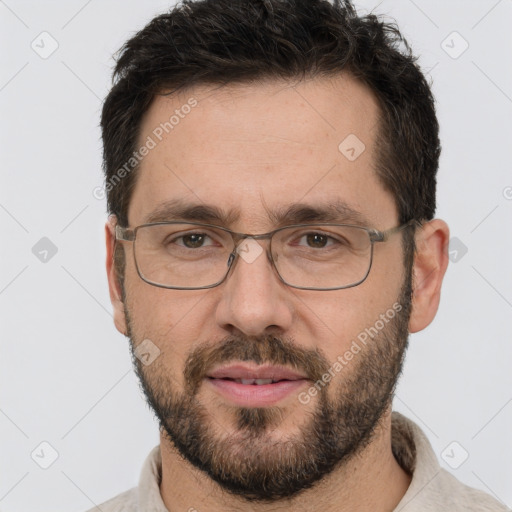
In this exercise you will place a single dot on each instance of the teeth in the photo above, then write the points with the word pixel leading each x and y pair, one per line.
pixel 263 381
pixel 258 382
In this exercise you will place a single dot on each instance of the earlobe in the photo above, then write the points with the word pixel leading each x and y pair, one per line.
pixel 430 263
pixel 115 291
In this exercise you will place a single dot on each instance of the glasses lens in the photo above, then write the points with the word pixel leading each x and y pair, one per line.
pixel 322 256
pixel 182 255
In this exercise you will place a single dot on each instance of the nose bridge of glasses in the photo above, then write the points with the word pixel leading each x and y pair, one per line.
pixel 240 237
pixel 248 247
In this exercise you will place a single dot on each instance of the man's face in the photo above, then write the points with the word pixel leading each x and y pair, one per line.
pixel 247 150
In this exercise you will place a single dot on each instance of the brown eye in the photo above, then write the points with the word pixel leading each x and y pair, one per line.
pixel 317 240
pixel 193 241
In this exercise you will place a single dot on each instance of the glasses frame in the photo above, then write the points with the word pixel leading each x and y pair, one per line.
pixel 124 234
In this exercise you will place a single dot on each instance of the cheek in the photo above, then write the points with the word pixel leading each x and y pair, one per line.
pixel 158 310
pixel 337 320
pixel 171 319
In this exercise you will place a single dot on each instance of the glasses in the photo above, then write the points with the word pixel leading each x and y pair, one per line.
pixel 192 256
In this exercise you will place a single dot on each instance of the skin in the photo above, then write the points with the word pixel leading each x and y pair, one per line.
pixel 249 147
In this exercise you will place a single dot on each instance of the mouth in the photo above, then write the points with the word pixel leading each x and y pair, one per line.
pixel 256 382
pixel 255 386
pixel 255 375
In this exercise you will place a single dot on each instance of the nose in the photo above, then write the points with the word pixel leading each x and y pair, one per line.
pixel 253 300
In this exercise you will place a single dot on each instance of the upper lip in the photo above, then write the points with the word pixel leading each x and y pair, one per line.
pixel 243 371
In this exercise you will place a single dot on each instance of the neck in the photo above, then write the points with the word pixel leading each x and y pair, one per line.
pixel 370 481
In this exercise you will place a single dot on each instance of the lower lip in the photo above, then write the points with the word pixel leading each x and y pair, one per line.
pixel 254 395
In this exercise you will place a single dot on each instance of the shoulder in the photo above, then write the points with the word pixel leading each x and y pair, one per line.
pixel 125 502
pixel 432 488
pixel 453 495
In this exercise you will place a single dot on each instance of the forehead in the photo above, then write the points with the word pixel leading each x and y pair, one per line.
pixel 252 149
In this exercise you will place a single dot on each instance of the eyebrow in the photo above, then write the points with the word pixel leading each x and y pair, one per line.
pixel 178 209
pixel 297 213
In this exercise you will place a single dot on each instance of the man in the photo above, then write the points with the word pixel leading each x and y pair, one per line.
pixel 271 169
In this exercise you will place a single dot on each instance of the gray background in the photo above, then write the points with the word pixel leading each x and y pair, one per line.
pixel 65 372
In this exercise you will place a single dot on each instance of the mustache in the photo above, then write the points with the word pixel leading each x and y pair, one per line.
pixel 267 349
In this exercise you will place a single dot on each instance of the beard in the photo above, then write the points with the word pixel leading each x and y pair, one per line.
pixel 247 461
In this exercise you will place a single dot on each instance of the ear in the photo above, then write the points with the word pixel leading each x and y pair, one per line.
pixel 430 263
pixel 114 286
